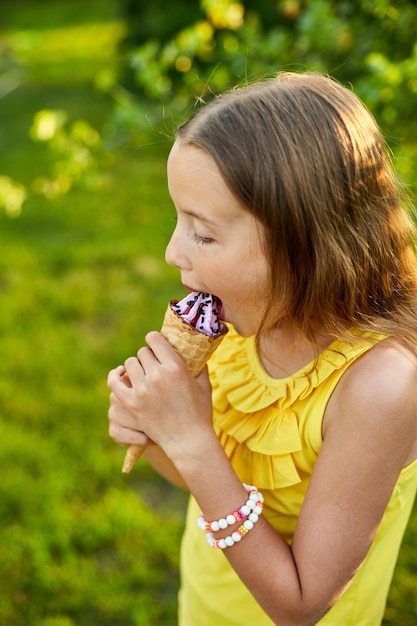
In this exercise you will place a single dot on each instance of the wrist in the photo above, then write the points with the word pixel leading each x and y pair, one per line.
pixel 209 475
pixel 195 451
pixel 241 521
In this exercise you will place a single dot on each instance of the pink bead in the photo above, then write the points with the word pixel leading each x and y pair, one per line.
pixel 249 512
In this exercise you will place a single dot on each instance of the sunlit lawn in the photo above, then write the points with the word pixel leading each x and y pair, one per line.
pixel 82 278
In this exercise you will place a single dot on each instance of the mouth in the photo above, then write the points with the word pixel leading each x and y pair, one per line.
pixel 221 312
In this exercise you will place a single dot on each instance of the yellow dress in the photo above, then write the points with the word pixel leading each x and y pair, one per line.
pixel 271 431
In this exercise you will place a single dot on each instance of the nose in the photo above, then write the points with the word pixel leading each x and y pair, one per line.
pixel 175 252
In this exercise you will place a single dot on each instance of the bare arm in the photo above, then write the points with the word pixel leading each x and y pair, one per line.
pixel 370 429
pixel 162 464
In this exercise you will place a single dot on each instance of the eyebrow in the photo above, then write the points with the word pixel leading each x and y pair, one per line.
pixel 200 217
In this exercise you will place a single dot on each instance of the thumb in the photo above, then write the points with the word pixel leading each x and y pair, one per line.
pixel 203 380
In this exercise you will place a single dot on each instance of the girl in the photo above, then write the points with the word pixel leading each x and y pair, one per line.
pixel 300 454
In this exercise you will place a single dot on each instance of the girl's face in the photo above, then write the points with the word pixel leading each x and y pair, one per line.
pixel 216 244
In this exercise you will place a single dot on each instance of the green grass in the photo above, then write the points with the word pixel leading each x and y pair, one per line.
pixel 79 274
pixel 82 279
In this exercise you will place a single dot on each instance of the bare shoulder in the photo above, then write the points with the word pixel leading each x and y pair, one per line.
pixel 379 393
pixel 389 365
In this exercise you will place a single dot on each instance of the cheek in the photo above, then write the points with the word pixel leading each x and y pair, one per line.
pixel 249 287
pixel 258 275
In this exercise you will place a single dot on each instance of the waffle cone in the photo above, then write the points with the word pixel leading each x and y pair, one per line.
pixel 193 346
pixel 133 454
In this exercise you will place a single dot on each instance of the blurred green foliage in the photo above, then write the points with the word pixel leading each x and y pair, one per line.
pixel 369 43
pixel 154 61
pixel 82 544
pixel 89 96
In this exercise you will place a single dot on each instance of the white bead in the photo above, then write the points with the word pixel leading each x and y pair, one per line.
pixel 251 510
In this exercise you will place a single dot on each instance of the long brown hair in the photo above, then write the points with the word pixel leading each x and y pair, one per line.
pixel 304 155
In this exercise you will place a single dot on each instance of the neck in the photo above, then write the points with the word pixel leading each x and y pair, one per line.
pixel 283 350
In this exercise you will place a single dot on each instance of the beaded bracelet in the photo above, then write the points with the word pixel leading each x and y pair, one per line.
pixel 252 509
pixel 236 516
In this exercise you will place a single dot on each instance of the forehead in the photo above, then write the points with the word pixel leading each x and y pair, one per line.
pixel 191 156
pixel 197 188
pixel 191 169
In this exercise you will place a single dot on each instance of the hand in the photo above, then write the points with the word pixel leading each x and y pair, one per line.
pixel 161 399
pixel 121 423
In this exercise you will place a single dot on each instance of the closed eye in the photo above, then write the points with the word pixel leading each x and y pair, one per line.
pixel 202 240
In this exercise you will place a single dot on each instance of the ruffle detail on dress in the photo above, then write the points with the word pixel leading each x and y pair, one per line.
pixel 266 471
pixel 249 388
pixel 255 417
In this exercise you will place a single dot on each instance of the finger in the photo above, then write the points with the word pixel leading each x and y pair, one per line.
pixel 127 436
pixel 203 379
pixel 118 414
pixel 118 381
pixel 134 370
pixel 147 358
pixel 115 375
pixel 125 380
pixel 161 348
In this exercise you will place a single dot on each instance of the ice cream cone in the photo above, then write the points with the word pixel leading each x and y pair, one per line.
pixel 193 346
pixel 134 452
